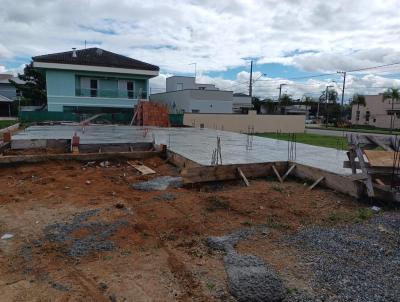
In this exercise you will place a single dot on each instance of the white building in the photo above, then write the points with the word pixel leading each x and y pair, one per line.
pixel 183 94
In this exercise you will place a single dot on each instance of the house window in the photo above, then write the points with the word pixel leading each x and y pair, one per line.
pixel 358 115
pixel 202 88
pixel 179 86
pixel 93 88
pixel 374 120
pixel 195 111
pixel 130 88
pixel 367 116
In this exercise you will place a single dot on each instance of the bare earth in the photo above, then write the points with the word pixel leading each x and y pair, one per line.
pixel 157 250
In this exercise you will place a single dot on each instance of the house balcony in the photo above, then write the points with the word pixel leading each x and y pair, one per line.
pixel 111 93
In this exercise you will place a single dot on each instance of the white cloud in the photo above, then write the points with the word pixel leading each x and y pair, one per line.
pixel 313 35
pixel 215 34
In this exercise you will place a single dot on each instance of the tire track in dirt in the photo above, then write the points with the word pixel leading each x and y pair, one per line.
pixel 188 283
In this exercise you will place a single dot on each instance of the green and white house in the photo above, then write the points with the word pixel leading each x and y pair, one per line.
pixel 94 80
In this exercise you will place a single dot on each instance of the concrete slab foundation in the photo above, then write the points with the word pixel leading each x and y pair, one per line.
pixel 192 143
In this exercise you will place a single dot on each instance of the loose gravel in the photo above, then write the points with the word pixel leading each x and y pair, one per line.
pixel 159 183
pixel 96 238
pixel 359 262
pixel 250 279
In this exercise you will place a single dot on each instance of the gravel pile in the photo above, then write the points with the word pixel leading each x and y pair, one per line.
pixel 159 183
pixel 95 238
pixel 360 262
pixel 249 277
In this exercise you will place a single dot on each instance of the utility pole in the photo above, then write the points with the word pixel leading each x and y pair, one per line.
pixel 342 101
pixel 280 94
pixel 251 80
pixel 326 104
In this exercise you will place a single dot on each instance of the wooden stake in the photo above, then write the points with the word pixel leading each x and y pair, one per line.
pixel 288 172
pixel 379 182
pixel 243 177
pixel 277 173
pixel 316 182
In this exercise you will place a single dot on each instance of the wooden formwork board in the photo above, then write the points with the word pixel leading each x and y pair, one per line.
pixel 181 161
pixel 230 172
pixel 337 182
pixel 37 158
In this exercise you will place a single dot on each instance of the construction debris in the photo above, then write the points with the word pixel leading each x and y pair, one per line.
pixel 7 236
pixel 144 170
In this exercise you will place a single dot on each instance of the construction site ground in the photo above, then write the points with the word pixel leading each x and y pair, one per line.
pixel 82 233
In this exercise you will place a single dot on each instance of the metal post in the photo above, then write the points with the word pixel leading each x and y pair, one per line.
pixel 343 87
pixel 326 106
pixel 279 98
pixel 251 80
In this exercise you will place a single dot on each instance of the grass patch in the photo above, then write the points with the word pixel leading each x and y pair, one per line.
pixel 356 216
pixel 215 203
pixel 365 213
pixel 5 124
pixel 210 285
pixel 359 128
pixel 311 139
pixel 274 224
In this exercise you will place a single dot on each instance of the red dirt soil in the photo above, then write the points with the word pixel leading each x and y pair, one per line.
pixel 160 255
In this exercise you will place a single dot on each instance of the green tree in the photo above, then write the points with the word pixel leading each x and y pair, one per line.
pixel 359 100
pixel 286 100
pixel 394 95
pixel 33 91
pixel 256 104
pixel 270 106
pixel 308 101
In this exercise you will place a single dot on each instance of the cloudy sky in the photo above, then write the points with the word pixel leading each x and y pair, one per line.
pixel 290 41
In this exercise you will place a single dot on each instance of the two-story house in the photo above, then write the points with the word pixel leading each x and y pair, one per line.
pixel 94 80
pixel 8 93
pixel 377 112
pixel 185 95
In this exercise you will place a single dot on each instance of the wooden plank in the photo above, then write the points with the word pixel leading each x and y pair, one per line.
pixel 85 122
pixel 337 182
pixel 243 177
pixel 277 174
pixel 288 172
pixel 379 158
pixel 371 170
pixel 141 168
pixel 316 182
pixel 37 158
pixel 180 161
pixel 229 172
pixel 380 142
pixel 360 155
pixel 359 176
pixel 352 157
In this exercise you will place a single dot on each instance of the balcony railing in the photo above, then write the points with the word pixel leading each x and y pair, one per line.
pixel 111 93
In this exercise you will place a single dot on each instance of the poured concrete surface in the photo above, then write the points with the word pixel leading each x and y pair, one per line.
pixel 193 143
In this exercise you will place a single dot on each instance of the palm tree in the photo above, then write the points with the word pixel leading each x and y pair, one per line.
pixel 358 99
pixel 394 95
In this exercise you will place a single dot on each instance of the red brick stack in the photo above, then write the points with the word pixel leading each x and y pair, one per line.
pixel 152 114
